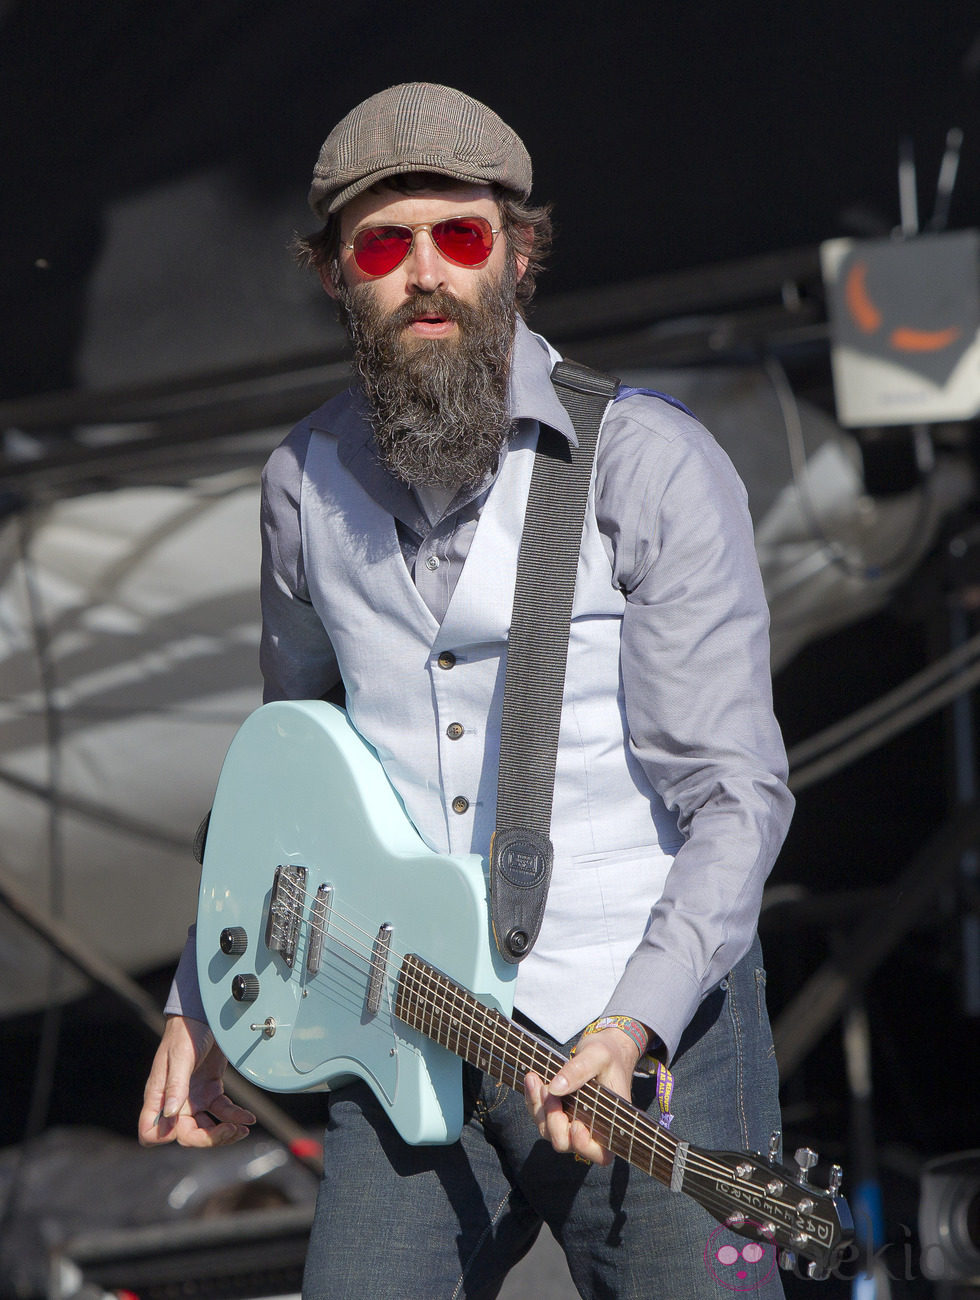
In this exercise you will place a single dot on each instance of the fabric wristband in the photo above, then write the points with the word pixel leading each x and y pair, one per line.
pixel 635 1028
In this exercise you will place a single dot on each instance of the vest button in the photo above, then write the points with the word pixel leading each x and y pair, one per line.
pixel 447 659
pixel 454 730
pixel 432 562
pixel 460 804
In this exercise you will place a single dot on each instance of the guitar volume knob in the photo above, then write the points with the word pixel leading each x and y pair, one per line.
pixel 245 988
pixel 233 941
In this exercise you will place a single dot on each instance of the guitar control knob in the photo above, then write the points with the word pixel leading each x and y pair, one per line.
pixel 233 940
pixel 805 1160
pixel 245 988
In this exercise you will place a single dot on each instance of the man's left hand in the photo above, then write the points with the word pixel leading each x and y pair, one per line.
pixel 609 1057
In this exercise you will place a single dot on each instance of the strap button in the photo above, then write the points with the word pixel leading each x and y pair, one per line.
pixel 460 804
pixel 454 730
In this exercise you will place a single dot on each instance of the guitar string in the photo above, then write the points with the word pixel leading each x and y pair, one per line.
pixel 613 1107
pixel 344 929
pixel 607 1109
pixel 713 1199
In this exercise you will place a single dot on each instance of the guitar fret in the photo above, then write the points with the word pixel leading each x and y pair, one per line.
pixel 450 1015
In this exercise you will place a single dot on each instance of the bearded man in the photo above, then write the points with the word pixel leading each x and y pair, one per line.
pixel 391 523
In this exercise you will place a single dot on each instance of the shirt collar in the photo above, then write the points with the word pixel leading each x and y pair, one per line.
pixel 531 393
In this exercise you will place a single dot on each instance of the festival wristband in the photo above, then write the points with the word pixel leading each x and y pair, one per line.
pixel 635 1028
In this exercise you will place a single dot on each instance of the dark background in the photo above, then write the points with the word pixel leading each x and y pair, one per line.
pixel 667 136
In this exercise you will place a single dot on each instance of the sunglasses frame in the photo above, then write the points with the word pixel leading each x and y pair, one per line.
pixel 415 227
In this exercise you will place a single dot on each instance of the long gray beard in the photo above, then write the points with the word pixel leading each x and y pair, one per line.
pixel 439 406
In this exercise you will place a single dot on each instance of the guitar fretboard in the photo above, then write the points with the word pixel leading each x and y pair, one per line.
pixel 448 1013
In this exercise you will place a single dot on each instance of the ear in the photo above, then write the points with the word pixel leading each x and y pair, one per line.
pixel 525 239
pixel 326 279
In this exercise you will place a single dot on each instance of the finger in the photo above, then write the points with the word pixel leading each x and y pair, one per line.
pixel 226 1111
pixel 581 1068
pixel 584 1145
pixel 555 1121
pixel 547 1112
pixel 201 1129
pixel 533 1089
pixel 152 1127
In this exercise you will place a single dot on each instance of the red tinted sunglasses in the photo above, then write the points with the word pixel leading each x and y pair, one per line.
pixel 467 241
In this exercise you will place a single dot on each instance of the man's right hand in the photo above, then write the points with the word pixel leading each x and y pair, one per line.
pixel 184 1099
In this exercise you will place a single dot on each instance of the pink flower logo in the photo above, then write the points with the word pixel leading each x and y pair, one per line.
pixel 737 1264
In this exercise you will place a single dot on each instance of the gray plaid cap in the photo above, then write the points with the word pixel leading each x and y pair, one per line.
pixel 417 127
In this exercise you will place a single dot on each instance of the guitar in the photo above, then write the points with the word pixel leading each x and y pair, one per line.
pixel 333 944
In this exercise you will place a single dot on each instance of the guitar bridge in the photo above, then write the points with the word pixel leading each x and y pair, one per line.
pixel 285 911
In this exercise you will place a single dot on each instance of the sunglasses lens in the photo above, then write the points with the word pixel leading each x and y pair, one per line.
pixel 379 249
pixel 468 241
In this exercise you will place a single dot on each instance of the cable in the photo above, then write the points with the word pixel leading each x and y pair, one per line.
pixel 796 447
pixel 43 1080
pixel 869 715
pixel 879 732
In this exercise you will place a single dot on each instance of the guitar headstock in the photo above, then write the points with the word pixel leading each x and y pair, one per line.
pixel 759 1197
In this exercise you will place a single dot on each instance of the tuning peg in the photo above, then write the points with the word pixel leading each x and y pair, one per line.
pixel 787 1260
pixel 836 1178
pixel 805 1160
pixel 774 1140
pixel 817 1272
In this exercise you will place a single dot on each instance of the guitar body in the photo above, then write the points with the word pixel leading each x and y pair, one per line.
pixel 332 944
pixel 314 887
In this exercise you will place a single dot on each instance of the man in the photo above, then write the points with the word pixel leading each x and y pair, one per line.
pixel 391 521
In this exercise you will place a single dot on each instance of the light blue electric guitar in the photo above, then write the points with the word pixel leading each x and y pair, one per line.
pixel 332 944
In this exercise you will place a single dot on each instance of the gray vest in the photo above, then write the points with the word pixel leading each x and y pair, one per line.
pixel 428 698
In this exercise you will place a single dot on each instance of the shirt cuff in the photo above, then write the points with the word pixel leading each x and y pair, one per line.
pixel 662 994
pixel 185 991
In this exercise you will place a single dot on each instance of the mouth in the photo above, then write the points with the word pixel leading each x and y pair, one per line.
pixel 431 325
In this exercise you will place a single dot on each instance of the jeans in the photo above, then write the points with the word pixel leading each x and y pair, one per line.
pixel 397 1222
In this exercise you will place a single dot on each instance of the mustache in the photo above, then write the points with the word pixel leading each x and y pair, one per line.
pixel 433 304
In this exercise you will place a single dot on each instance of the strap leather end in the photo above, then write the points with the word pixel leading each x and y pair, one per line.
pixel 520 872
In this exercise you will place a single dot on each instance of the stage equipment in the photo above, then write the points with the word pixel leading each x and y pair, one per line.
pixel 905 328
pixel 239 1256
pixel 949 1220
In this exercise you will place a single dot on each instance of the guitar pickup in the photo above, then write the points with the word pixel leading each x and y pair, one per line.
pixel 285 911
pixel 319 917
pixel 379 968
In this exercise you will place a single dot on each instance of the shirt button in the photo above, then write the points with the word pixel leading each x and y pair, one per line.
pixel 454 730
pixel 460 804
pixel 447 659
pixel 432 562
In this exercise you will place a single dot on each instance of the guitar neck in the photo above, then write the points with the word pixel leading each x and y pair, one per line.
pixel 448 1013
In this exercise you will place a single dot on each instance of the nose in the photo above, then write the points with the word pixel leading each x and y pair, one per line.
pixel 425 267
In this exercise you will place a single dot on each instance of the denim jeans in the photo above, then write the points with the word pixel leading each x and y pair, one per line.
pixel 397 1222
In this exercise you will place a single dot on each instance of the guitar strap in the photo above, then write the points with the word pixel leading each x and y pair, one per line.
pixel 521 852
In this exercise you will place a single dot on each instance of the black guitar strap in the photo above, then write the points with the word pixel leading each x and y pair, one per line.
pixel 521 852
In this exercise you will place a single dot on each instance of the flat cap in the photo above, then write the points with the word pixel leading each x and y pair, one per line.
pixel 417 127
